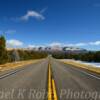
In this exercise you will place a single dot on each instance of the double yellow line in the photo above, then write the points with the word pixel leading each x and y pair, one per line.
pixel 52 94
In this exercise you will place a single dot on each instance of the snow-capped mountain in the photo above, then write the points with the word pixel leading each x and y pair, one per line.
pixel 59 48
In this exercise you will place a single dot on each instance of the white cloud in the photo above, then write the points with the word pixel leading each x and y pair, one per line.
pixel 43 10
pixel 55 44
pixel 14 43
pixel 95 43
pixel 35 46
pixel 62 44
pixel 32 14
pixel 31 46
pixel 80 44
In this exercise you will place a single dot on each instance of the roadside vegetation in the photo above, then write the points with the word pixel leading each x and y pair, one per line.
pixel 17 55
pixel 3 52
pixel 90 56
pixel 22 55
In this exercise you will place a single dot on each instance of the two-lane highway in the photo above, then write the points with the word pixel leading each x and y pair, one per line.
pixel 32 82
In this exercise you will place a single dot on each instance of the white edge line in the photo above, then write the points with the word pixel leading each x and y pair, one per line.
pixel 87 73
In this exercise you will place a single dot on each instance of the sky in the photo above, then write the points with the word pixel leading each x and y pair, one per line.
pixel 29 23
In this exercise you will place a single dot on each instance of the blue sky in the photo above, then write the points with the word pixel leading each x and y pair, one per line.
pixel 46 22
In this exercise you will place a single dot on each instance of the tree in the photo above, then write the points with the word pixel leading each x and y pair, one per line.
pixel 3 52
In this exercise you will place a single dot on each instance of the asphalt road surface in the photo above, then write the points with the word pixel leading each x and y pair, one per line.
pixel 26 83
pixel 31 81
pixel 73 83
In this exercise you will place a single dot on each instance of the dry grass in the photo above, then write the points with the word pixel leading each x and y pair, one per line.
pixel 88 67
pixel 13 65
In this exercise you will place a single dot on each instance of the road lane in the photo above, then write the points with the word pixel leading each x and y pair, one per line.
pixel 29 83
pixel 70 80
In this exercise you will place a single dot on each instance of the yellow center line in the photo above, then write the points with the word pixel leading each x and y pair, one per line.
pixel 52 94
pixel 54 90
pixel 49 85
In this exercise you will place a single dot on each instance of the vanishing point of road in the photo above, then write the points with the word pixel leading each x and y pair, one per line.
pixel 49 79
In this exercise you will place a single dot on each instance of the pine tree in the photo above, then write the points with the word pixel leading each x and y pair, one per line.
pixel 3 52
